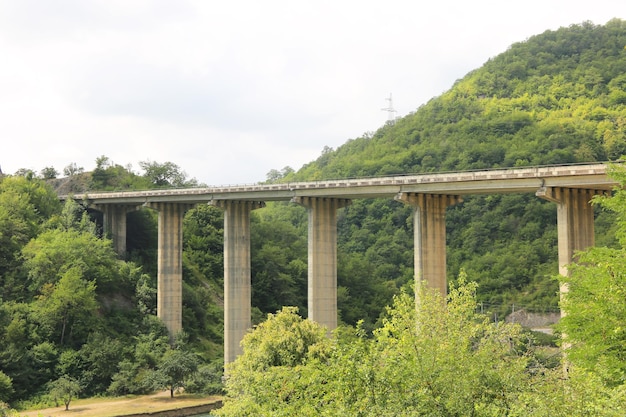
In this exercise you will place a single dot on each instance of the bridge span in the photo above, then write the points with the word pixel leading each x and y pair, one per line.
pixel 571 187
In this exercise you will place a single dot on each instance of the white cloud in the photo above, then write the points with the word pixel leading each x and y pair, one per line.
pixel 231 90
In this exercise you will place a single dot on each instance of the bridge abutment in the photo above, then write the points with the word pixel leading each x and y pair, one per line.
pixel 237 272
pixel 322 258
pixel 429 223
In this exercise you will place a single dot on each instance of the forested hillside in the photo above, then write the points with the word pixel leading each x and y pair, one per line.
pixel 558 97
pixel 68 306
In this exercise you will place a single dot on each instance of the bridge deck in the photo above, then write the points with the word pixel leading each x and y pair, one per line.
pixel 510 180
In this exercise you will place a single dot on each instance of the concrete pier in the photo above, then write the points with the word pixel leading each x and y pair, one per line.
pixel 237 286
pixel 429 222
pixel 574 222
pixel 114 224
pixel 170 264
pixel 322 258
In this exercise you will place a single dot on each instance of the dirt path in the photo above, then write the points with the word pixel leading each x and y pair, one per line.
pixel 112 407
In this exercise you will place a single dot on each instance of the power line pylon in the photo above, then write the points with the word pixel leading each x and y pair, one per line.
pixel 391 112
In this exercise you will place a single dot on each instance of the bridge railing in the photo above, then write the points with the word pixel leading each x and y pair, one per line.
pixel 543 171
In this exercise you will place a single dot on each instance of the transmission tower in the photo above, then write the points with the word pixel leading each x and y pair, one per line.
pixel 391 112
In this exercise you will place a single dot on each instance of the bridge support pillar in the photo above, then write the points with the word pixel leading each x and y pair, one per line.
pixel 574 223
pixel 237 287
pixel 429 222
pixel 170 264
pixel 322 258
pixel 114 224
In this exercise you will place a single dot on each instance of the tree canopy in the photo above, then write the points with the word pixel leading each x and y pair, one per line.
pixel 434 359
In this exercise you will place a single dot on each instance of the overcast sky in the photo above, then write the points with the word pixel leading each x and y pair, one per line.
pixel 230 90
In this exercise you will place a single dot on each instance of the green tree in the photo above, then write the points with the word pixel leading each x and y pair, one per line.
pixel 6 387
pixel 49 173
pixel 97 361
pixel 73 216
pixel 54 252
pixel 65 389
pixel 44 357
pixel 6 411
pixel 25 205
pixel 439 359
pixel 72 169
pixel 582 393
pixel 176 368
pixel 166 174
pixel 274 358
pixel 17 227
pixel 457 361
pixel 37 192
pixel 208 379
pixel 284 339
pixel 135 374
pixel 275 175
pixel 18 335
pixel 279 272
pixel 110 176
pixel 69 304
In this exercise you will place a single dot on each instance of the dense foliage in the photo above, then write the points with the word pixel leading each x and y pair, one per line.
pixel 73 315
pixel 433 359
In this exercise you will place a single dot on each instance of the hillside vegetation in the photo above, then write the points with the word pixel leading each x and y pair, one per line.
pixel 69 307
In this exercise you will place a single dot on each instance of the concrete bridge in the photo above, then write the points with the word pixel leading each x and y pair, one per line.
pixel 571 187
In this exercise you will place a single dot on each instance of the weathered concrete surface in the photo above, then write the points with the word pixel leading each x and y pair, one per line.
pixel 237 272
pixel 575 225
pixel 429 223
pixel 322 258
pixel 170 264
